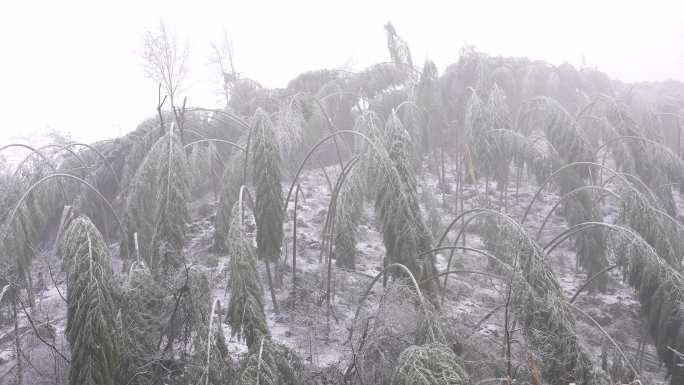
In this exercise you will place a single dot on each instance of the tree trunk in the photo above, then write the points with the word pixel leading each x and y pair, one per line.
pixel 270 286
pixel 518 175
pixel 442 177
pixel 460 193
pixel 459 182
pixel 29 290
pixel 486 184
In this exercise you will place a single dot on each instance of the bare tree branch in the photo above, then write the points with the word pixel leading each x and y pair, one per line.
pixel 165 59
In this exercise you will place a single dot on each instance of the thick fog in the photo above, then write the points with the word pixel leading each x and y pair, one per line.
pixel 74 66
pixel 358 192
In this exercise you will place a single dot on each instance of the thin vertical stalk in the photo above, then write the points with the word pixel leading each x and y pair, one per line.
pixel 211 324
pixel 294 248
pixel 442 176
pixel 507 332
pixel 17 339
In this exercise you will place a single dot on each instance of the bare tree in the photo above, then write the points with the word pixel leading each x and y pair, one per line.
pixel 165 59
pixel 222 59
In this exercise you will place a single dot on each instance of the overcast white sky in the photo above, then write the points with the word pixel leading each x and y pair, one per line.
pixel 73 66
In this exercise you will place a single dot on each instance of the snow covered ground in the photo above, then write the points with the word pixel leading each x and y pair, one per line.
pixel 320 334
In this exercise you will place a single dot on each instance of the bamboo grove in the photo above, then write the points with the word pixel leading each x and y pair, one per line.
pixel 399 143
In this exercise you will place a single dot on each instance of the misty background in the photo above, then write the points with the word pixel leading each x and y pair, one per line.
pixel 75 67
